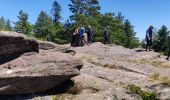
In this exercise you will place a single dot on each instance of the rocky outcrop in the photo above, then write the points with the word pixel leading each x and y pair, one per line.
pixel 12 42
pixel 37 72
pixel 24 69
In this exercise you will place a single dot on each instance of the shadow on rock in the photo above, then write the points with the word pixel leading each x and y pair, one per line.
pixel 7 58
pixel 60 89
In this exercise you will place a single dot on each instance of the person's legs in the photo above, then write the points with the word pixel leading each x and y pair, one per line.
pixel 73 40
pixel 150 44
pixel 147 44
pixel 104 40
pixel 91 38
pixel 168 54
pixel 107 39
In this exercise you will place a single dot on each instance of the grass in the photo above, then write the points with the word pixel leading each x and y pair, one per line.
pixel 164 80
pixel 67 91
pixel 159 64
pixel 94 60
pixel 76 89
pixel 144 95
pixel 89 58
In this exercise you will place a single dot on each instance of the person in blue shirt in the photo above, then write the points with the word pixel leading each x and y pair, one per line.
pixel 149 34
pixel 82 36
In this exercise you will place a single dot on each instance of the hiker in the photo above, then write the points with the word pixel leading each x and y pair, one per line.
pixel 75 37
pixel 89 35
pixel 82 36
pixel 106 35
pixel 48 38
pixel 149 33
pixel 168 46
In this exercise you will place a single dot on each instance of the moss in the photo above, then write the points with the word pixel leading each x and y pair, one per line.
pixel 144 95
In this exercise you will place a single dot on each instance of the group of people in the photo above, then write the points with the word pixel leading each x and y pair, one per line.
pixel 149 34
pixel 80 37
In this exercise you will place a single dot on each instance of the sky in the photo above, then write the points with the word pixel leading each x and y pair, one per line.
pixel 141 13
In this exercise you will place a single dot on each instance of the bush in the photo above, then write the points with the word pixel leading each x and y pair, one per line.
pixel 144 95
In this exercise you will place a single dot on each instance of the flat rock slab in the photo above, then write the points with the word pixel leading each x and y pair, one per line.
pixel 37 72
pixel 12 42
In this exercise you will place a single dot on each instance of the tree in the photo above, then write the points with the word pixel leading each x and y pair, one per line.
pixel 120 17
pixel 43 25
pixel 160 42
pixel 8 25
pixel 23 26
pixel 89 7
pixel 2 24
pixel 131 40
pixel 55 11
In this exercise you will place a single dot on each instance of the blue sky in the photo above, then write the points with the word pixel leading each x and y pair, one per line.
pixel 141 13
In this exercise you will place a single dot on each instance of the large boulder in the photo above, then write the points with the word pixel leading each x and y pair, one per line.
pixel 12 43
pixel 37 72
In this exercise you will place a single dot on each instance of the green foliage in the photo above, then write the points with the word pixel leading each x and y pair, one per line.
pixel 144 95
pixel 55 11
pixel 5 25
pixel 23 26
pixel 8 25
pixel 44 25
pixel 131 40
pixel 89 7
pixel 160 41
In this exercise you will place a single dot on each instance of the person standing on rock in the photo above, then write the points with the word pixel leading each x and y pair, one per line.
pixel 48 38
pixel 89 35
pixel 106 35
pixel 75 37
pixel 168 46
pixel 82 36
pixel 149 34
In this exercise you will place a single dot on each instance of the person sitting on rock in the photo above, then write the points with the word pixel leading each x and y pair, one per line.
pixel 149 33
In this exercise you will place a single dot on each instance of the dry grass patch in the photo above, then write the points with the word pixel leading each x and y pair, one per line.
pixel 76 89
pixel 163 80
pixel 89 58
pixel 159 64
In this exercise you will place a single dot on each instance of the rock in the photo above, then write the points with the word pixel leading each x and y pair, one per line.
pixel 37 72
pixel 12 43
pixel 47 45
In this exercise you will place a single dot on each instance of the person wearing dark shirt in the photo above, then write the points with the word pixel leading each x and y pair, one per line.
pixel 106 35
pixel 89 35
pixel 149 34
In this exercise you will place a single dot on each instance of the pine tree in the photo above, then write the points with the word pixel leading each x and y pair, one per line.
pixel 131 40
pixel 89 7
pixel 120 17
pixel 8 25
pixel 43 25
pixel 23 26
pixel 2 24
pixel 160 43
pixel 55 11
